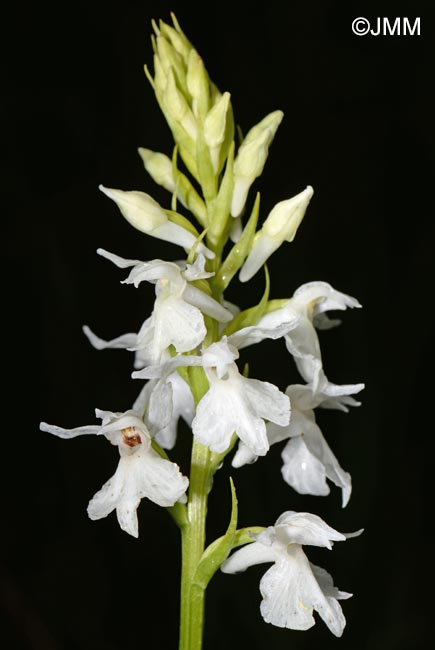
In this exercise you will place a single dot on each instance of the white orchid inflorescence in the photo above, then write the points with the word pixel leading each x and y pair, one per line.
pixel 187 351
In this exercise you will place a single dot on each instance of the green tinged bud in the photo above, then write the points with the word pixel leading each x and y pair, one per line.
pixel 281 225
pixel 140 209
pixel 160 77
pixel 159 167
pixel 251 158
pixel 215 128
pixel 164 172
pixel 177 39
pixel 198 84
pixel 171 60
pixel 177 108
pixel 285 218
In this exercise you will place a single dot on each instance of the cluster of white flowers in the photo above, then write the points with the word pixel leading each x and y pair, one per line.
pixel 192 326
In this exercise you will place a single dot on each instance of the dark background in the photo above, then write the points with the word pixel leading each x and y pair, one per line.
pixel 358 127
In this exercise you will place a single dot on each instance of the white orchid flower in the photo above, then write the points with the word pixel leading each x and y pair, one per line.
pixel 308 461
pixel 141 471
pixel 293 587
pixel 297 321
pixel 310 301
pixel 181 405
pixel 146 215
pixel 177 318
pixel 233 403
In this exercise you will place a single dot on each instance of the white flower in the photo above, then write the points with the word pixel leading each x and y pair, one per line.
pixel 233 403
pixel 280 226
pixel 177 318
pixel 141 472
pixel 297 321
pixel 146 215
pixel 293 587
pixel 307 458
pixel 310 302
pixel 181 405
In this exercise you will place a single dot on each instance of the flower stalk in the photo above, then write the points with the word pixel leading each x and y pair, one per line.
pixel 193 543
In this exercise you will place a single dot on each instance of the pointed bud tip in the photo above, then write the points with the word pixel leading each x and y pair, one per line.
pixel 309 191
pixel 144 153
pixel 107 191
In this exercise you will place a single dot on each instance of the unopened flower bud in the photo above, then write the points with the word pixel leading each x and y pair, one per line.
pixel 281 225
pixel 171 61
pixel 146 215
pixel 285 218
pixel 176 37
pixel 215 122
pixel 177 108
pixel 140 209
pixel 160 77
pixel 161 170
pixel 159 167
pixel 251 158
pixel 198 84
pixel 215 127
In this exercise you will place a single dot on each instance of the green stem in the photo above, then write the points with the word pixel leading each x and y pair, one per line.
pixel 193 543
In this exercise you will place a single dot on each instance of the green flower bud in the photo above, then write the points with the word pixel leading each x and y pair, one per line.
pixel 176 107
pixel 198 84
pixel 140 209
pixel 281 225
pixel 285 218
pixel 162 170
pixel 251 158
pixel 159 167
pixel 177 39
pixel 215 127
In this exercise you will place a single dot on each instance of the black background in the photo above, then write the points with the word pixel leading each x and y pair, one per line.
pixel 359 127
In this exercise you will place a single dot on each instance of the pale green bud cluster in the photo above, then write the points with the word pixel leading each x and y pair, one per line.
pixel 200 117
pixel 201 121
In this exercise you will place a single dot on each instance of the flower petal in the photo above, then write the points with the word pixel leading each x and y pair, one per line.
pixel 304 528
pixel 267 401
pixel 182 405
pixel 243 456
pixel 290 593
pixel 120 262
pixel 272 326
pixel 70 433
pixel 123 342
pixel 286 589
pixel 302 470
pixel 218 415
pixel 206 304
pixel 326 583
pixel 247 556
pixel 159 479
pixel 196 271
pixel 177 323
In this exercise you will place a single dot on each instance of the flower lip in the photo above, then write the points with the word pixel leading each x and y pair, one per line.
pixel 131 437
